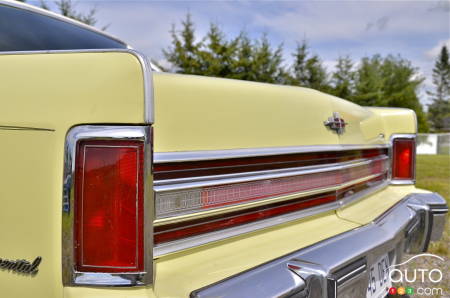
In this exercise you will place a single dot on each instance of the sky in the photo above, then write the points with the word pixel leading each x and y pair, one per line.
pixel 414 29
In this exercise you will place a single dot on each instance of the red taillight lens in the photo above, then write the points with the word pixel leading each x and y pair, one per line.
pixel 109 206
pixel 403 158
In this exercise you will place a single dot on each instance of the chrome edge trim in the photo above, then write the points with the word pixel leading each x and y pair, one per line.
pixel 10 127
pixel 177 245
pixel 147 77
pixel 391 142
pixel 164 186
pixel 170 247
pixel 41 11
pixel 182 156
pixel 71 277
pixel 317 264
pixel 284 198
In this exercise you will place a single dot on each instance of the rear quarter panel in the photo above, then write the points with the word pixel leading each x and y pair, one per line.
pixel 52 92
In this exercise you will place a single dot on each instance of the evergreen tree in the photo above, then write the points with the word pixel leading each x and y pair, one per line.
pixel 266 64
pixel 307 70
pixel 299 71
pixel 439 110
pixel 389 82
pixel 185 50
pixel 368 82
pixel 243 62
pixel 215 55
pixel 343 78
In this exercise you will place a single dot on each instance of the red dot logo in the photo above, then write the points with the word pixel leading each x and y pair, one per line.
pixel 392 291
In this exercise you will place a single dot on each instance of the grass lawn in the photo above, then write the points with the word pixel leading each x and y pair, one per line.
pixel 433 173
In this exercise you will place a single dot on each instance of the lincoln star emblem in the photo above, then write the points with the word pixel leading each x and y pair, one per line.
pixel 336 123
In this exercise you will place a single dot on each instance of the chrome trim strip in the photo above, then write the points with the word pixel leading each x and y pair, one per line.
pixel 41 11
pixel 174 246
pixel 252 173
pixel 170 247
pixel 98 132
pixel 147 77
pixel 352 274
pixel 182 156
pixel 235 207
pixel 261 175
pixel 8 127
pixel 391 142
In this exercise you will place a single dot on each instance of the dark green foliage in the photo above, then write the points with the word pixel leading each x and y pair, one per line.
pixel 214 55
pixel 391 82
pixel 439 110
pixel 307 70
pixel 377 81
pixel 343 78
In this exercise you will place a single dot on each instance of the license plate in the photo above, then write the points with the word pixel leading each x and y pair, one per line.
pixel 379 281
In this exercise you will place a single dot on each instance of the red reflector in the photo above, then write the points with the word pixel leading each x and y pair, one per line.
pixel 403 158
pixel 109 206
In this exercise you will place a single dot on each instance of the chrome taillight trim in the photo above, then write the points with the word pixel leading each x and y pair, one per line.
pixel 184 156
pixel 391 148
pixel 184 184
pixel 70 276
pixel 189 183
pixel 190 242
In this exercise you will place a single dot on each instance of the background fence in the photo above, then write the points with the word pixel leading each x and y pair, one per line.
pixel 433 143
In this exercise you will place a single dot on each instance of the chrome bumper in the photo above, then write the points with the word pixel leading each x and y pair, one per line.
pixel 337 267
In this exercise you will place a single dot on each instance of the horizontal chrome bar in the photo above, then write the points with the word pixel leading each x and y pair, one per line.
pixel 170 247
pixel 191 215
pixel 253 176
pixel 244 174
pixel 183 156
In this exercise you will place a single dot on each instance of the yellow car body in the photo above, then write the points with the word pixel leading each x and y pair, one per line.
pixel 46 94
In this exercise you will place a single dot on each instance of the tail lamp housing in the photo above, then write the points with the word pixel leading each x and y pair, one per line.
pixel 107 234
pixel 403 158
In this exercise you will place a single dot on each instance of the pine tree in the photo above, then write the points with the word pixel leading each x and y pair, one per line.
pixel 299 71
pixel 185 50
pixel 307 70
pixel 267 61
pixel 389 82
pixel 439 110
pixel 343 78
pixel 368 82
pixel 243 62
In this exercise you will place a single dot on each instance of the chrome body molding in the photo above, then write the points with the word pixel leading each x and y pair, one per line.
pixel 189 183
pixel 168 186
pixel 338 266
pixel 97 132
pixel 147 77
pixel 174 246
pixel 347 199
pixel 391 142
pixel 170 247
pixel 183 156
pixel 10 127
